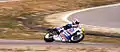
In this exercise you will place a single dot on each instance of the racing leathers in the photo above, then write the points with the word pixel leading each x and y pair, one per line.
pixel 67 26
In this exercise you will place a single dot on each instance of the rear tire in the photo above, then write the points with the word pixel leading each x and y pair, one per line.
pixel 77 37
pixel 48 37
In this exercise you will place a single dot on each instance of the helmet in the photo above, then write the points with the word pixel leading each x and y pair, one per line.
pixel 77 22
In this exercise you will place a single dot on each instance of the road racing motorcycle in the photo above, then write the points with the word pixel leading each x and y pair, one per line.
pixel 72 35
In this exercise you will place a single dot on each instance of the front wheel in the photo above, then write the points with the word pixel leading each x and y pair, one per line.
pixel 77 37
pixel 48 37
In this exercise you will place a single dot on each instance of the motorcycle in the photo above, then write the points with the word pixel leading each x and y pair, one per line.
pixel 72 35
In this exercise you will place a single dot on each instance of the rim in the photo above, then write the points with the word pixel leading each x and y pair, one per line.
pixel 76 37
pixel 48 36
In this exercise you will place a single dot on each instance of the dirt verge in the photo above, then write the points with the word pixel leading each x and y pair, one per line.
pixel 58 48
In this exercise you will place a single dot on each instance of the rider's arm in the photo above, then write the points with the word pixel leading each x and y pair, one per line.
pixel 75 26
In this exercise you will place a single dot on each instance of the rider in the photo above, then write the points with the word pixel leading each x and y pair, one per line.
pixel 68 26
pixel 73 24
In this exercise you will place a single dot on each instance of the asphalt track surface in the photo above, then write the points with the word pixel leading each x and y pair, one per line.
pixel 105 16
pixel 40 42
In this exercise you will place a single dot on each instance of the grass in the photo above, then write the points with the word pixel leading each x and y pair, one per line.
pixel 35 11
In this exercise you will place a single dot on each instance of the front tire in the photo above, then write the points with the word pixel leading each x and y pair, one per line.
pixel 48 37
pixel 77 37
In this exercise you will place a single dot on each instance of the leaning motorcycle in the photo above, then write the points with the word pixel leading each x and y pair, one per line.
pixel 72 35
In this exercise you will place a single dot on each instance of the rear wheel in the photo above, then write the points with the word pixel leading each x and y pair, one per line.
pixel 48 37
pixel 77 37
